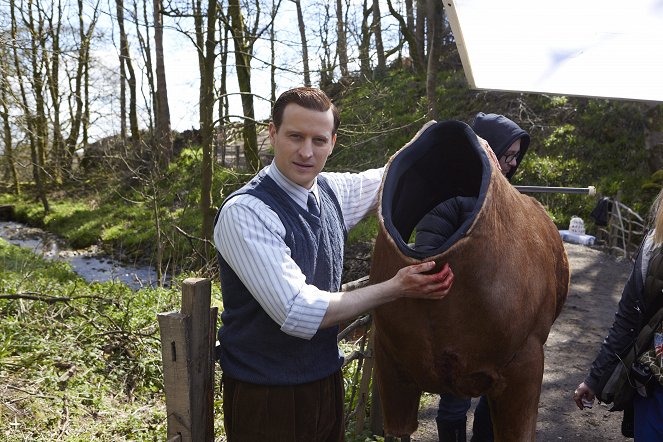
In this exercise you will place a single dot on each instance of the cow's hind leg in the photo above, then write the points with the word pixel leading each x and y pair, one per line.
pixel 514 409
pixel 399 395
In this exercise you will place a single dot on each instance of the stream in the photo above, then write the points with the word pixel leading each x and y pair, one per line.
pixel 90 263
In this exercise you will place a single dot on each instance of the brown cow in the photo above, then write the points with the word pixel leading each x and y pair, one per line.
pixel 486 337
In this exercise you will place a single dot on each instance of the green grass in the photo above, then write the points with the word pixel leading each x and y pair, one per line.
pixel 78 361
pixel 82 361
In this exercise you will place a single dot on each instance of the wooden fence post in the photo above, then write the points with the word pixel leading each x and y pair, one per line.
pixel 187 341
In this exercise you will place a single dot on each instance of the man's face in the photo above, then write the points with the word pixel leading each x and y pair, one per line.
pixel 303 143
pixel 512 156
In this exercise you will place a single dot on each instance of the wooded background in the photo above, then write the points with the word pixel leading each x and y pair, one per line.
pixel 52 94
pixel 55 89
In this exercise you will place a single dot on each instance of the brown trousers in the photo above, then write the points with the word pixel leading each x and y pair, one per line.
pixel 310 412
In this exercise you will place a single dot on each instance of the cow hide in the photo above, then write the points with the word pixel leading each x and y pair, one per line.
pixel 511 279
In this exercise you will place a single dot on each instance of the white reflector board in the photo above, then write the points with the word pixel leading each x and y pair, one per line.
pixel 594 48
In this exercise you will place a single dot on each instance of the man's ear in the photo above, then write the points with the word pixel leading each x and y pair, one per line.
pixel 272 132
pixel 333 141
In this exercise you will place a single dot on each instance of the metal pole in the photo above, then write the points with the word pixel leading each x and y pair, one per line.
pixel 590 190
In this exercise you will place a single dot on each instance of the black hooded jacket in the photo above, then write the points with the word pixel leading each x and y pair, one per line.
pixel 440 223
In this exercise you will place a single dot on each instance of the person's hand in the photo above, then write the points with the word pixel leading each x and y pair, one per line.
pixel 414 283
pixel 583 392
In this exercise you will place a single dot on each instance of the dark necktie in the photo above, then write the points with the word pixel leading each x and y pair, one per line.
pixel 312 205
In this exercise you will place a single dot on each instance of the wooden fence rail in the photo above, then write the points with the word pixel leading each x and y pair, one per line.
pixel 188 341
pixel 624 231
pixel 187 353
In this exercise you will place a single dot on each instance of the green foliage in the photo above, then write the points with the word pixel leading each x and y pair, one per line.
pixel 78 361
pixel 21 261
pixel 364 231
pixel 122 219
pixel 377 118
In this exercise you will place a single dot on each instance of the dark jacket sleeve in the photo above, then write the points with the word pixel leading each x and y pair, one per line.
pixel 440 223
pixel 622 333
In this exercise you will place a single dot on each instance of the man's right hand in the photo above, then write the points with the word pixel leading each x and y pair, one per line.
pixel 416 283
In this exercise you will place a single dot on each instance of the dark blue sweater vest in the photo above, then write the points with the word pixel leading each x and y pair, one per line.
pixel 253 347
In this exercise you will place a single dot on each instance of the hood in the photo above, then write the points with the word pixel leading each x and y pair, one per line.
pixel 500 132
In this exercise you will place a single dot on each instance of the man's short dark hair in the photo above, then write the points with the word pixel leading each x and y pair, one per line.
pixel 307 97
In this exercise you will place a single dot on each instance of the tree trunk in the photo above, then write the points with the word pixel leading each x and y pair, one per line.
pixel 365 42
pixel 341 40
pixel 381 68
pixel 37 122
pixel 205 39
pixel 302 34
pixel 409 14
pixel 206 57
pixel 208 129
pixel 10 161
pixel 420 31
pixel 243 53
pixel 127 67
pixel 224 103
pixel 272 48
pixel 410 36
pixel 435 17
pixel 163 137
pixel 146 52
pixel 77 115
pixel 326 60
pixel 53 82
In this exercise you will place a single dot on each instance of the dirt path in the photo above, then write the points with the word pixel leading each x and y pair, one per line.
pixel 597 280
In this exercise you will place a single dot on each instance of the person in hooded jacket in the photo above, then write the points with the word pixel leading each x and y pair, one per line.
pixel 510 143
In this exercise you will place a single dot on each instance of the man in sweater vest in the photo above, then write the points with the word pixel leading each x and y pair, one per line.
pixel 280 242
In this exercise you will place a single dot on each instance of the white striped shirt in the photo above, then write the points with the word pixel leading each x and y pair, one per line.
pixel 250 237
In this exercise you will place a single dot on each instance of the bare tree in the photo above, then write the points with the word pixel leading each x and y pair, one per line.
pixel 52 71
pixel 381 68
pixel 35 123
pixel 79 114
pixel 126 67
pixel 5 93
pixel 163 137
pixel 365 41
pixel 244 39
pixel 409 15
pixel 224 102
pixel 302 34
pixel 420 31
pixel 326 59
pixel 412 36
pixel 341 39
pixel 205 25
pixel 436 25
pixel 146 53
pixel 272 49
